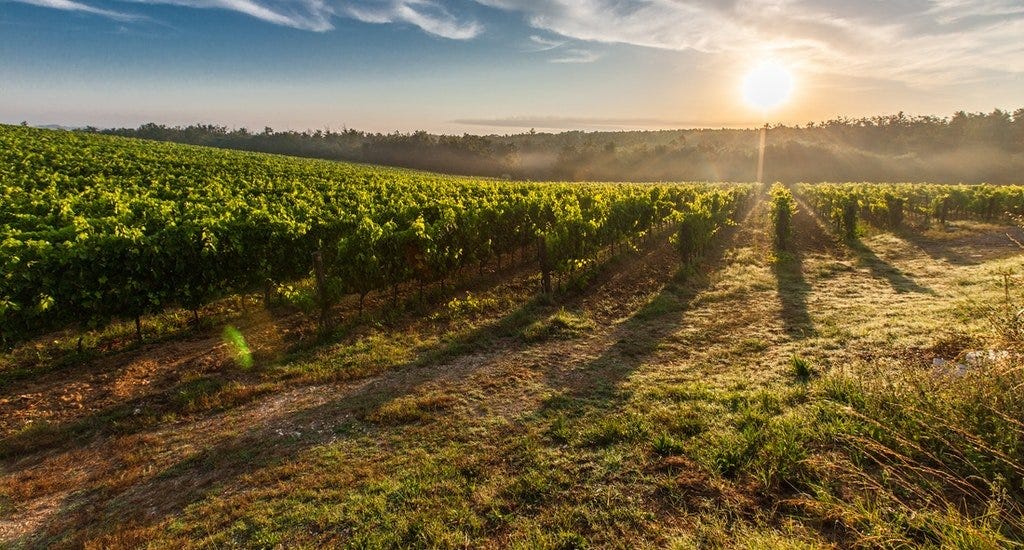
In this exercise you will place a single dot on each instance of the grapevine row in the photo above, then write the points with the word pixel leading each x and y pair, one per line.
pixel 888 205
pixel 94 228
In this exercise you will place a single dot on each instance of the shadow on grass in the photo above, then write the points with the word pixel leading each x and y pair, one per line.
pixel 157 495
pixel 793 290
pixel 810 227
pixel 640 336
pixel 811 237
pixel 99 510
pixel 56 367
pixel 200 397
pixel 936 249
pixel 882 269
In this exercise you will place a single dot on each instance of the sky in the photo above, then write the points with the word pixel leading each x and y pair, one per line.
pixel 499 66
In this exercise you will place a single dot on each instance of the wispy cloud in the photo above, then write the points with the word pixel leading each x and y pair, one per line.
pixel 541 44
pixel 576 55
pixel 954 10
pixel 429 16
pixel 316 15
pixel 563 52
pixel 310 15
pixel 920 42
pixel 70 5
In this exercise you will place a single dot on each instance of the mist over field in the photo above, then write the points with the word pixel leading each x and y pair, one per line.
pixel 962 148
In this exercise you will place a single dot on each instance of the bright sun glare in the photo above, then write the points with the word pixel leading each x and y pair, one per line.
pixel 767 85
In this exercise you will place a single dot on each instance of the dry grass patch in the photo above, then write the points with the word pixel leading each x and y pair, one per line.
pixel 563 324
pixel 411 408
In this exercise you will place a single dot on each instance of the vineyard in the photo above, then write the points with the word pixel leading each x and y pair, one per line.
pixel 96 228
pixel 891 206
pixel 604 365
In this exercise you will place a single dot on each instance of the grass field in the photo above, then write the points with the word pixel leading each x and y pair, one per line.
pixel 739 403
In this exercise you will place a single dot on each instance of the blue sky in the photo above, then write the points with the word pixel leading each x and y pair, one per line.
pixel 498 65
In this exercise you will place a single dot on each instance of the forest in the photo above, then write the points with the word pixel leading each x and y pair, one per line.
pixel 962 148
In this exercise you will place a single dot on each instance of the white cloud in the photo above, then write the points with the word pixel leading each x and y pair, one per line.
pixel 313 15
pixel 563 53
pixel 70 5
pixel 920 42
pixel 916 41
pixel 310 15
pixel 954 10
pixel 428 16
pixel 576 55
pixel 541 44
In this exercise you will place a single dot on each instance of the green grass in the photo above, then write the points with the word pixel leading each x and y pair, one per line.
pixel 801 368
pixel 562 324
pixel 410 409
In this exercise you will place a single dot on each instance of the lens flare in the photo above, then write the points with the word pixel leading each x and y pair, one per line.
pixel 239 348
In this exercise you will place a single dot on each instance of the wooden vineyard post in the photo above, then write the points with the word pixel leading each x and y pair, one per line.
pixel 545 266
pixel 321 290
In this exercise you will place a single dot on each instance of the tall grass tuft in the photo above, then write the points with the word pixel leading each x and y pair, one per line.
pixel 932 459
pixel 894 455
pixel 801 368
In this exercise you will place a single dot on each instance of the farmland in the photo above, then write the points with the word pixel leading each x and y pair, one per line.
pixel 184 226
pixel 205 348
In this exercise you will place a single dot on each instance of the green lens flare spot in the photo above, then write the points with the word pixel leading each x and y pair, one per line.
pixel 239 348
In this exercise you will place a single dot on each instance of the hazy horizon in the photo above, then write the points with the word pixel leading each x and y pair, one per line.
pixel 498 66
pixel 508 127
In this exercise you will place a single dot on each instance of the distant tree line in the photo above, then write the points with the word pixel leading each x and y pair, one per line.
pixel 966 147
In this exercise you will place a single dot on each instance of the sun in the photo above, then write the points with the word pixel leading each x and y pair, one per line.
pixel 767 86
